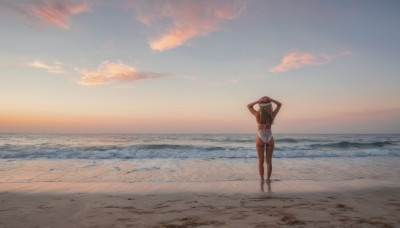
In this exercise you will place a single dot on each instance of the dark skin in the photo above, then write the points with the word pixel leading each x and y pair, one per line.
pixel 267 148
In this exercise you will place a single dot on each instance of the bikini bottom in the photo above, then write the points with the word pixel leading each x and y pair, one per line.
pixel 265 135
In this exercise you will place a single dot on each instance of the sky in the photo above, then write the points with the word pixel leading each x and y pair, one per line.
pixel 167 66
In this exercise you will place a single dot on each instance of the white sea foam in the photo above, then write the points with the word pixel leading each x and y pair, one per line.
pixel 192 146
pixel 194 158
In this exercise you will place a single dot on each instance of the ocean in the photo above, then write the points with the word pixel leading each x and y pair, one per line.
pixel 130 158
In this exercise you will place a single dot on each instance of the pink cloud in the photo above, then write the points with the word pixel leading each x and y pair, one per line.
pixel 55 12
pixel 189 18
pixel 346 53
pixel 295 60
pixel 55 68
pixel 113 72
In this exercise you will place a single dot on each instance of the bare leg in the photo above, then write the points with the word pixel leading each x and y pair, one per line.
pixel 260 151
pixel 268 159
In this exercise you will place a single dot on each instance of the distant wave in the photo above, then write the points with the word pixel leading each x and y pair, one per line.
pixel 286 140
pixel 351 145
pixel 177 147
pixel 139 151
pixel 227 140
pixel 177 151
pixel 186 146
pixel 292 140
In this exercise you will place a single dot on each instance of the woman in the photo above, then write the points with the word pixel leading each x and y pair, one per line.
pixel 265 141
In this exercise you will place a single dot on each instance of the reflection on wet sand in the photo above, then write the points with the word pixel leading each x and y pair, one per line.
pixel 262 183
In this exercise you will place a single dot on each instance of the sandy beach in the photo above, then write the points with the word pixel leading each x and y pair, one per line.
pixel 264 207
pixel 198 181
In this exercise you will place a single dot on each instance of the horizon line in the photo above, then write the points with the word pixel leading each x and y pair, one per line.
pixel 183 133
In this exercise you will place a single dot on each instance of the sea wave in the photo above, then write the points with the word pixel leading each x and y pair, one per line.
pixel 184 151
pixel 350 145
pixel 343 145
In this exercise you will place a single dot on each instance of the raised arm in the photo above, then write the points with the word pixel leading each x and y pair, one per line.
pixel 278 107
pixel 251 109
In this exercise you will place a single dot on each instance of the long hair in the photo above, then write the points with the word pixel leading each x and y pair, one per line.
pixel 266 116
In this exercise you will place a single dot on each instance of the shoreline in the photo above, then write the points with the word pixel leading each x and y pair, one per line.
pixel 227 187
pixel 363 207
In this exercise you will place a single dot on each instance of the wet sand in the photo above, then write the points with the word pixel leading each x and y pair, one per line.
pixel 265 206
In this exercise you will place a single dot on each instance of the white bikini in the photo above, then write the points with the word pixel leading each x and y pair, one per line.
pixel 265 134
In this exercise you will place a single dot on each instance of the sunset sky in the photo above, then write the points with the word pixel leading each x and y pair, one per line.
pixel 154 66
